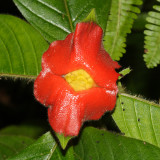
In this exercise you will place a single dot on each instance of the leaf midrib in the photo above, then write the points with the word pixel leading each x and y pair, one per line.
pixel 155 52
pixel 68 15
pixel 152 125
pixel 124 116
pixel 51 151
pixel 117 28
pixel 54 24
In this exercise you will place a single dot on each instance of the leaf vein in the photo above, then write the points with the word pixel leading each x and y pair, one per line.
pixel 19 46
pixel 43 31
pixel 80 12
pixel 152 124
pixel 34 51
pixel 51 7
pixel 49 21
pixel 135 111
pixel 69 15
pixel 154 52
pixel 51 151
pixel 9 56
pixel 124 115
pixel 117 28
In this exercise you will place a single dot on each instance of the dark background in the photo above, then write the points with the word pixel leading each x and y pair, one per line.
pixel 17 103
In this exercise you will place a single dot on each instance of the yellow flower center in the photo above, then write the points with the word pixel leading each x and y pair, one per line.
pixel 80 80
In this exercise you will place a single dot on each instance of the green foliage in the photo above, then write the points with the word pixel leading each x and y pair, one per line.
pixel 10 145
pixel 93 144
pixel 63 140
pixel 138 118
pixel 120 22
pixel 152 38
pixel 91 17
pixel 124 72
pixel 32 131
pixel 98 144
pixel 56 19
pixel 21 48
pixel 44 148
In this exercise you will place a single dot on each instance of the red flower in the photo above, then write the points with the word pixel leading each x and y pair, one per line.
pixel 85 94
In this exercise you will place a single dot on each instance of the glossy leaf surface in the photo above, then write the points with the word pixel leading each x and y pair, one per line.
pixel 93 144
pixel 44 148
pixel 56 19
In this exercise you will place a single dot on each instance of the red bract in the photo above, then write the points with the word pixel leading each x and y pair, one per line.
pixel 68 109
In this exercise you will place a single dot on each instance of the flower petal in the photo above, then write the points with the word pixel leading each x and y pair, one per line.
pixel 48 86
pixel 57 57
pixel 97 101
pixel 81 50
pixel 66 116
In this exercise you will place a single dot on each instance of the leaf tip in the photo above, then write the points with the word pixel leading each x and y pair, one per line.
pixel 124 72
pixel 91 16
pixel 63 140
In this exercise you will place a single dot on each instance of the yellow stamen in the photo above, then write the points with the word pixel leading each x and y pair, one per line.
pixel 80 80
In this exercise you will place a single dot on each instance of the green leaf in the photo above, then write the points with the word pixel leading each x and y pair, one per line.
pixel 57 18
pixel 21 48
pixel 44 148
pixel 124 72
pixel 120 22
pixel 91 17
pixel 63 140
pixel 138 118
pixel 33 131
pixel 93 144
pixel 152 38
pixel 11 145
pixel 97 144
